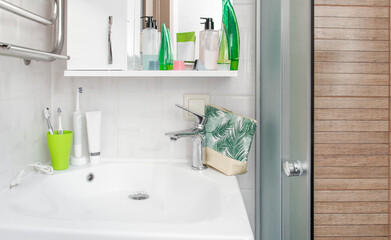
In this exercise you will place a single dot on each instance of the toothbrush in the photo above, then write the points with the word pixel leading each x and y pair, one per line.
pixel 47 117
pixel 60 132
pixel 77 159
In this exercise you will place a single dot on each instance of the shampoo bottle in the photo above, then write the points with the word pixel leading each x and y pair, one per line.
pixel 150 45
pixel 230 27
pixel 209 45
pixel 166 57
pixel 224 62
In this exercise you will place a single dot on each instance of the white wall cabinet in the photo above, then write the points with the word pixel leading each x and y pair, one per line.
pixel 87 34
pixel 88 28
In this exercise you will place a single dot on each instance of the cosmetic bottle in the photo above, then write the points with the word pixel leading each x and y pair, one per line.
pixel 94 127
pixel 150 45
pixel 209 45
pixel 230 26
pixel 224 62
pixel 159 34
pixel 166 57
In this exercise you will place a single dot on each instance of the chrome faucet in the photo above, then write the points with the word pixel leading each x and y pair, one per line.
pixel 197 133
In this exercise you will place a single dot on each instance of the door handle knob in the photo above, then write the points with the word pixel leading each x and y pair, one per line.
pixel 294 168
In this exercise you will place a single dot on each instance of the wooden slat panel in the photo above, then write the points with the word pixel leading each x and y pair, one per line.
pixel 351 114
pixel 353 126
pixel 351 238
pixel 357 22
pixel 353 2
pixel 352 160
pixel 338 11
pixel 351 184
pixel 350 172
pixel 351 196
pixel 344 149
pixel 351 137
pixel 344 102
pixel 351 79
pixel 343 67
pixel 351 34
pixel 352 230
pixel 351 45
pixel 348 219
pixel 351 207
pixel 350 91
pixel 348 56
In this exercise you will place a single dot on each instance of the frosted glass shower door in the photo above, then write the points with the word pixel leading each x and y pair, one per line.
pixel 296 120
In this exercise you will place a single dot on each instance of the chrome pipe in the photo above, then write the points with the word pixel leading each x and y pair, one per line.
pixel 58 42
pixel 30 15
pixel 29 53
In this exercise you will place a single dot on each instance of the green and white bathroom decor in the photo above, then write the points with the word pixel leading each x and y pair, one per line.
pixel 228 140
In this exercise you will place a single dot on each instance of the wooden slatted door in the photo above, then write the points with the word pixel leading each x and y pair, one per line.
pixel 352 120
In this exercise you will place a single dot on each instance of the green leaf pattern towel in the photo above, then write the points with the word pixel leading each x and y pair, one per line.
pixel 228 133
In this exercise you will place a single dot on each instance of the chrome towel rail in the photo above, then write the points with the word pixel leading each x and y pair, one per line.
pixel 29 54
pixel 29 15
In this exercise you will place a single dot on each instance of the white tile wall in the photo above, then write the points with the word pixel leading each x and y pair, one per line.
pixel 24 92
pixel 136 112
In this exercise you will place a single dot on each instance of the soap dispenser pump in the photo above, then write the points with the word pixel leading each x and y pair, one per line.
pixel 209 45
pixel 150 47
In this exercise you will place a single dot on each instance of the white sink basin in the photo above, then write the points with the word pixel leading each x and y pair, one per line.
pixel 182 204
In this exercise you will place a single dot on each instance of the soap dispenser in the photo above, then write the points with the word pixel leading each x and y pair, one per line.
pixel 150 47
pixel 159 34
pixel 209 45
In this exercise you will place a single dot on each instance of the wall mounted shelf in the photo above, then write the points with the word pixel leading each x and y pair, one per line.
pixel 150 73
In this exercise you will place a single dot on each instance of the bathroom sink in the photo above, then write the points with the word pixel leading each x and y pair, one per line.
pixel 127 199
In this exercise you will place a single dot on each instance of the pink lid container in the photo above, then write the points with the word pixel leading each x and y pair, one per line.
pixel 179 65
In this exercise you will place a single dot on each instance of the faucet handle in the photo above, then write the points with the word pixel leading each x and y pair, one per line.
pixel 201 119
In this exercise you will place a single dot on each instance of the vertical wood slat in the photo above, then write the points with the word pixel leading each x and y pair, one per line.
pixel 352 120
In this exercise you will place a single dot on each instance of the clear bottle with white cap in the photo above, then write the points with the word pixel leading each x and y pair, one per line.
pixel 150 44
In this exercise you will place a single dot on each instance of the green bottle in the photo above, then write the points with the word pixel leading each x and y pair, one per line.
pixel 223 62
pixel 230 26
pixel 166 58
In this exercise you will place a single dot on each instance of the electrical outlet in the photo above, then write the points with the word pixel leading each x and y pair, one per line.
pixel 196 103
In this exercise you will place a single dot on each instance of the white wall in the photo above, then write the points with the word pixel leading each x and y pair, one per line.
pixel 136 112
pixel 24 92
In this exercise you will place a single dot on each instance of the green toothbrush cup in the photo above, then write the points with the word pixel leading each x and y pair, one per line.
pixel 60 149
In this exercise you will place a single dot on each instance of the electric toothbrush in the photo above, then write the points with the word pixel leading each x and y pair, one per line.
pixel 77 159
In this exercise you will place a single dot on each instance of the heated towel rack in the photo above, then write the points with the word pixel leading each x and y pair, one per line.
pixel 28 54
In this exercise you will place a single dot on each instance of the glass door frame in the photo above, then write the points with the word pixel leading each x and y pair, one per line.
pixel 269 73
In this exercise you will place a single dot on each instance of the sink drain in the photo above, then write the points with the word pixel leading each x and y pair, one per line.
pixel 90 177
pixel 138 196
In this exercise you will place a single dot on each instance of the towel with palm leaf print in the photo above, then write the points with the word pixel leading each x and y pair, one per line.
pixel 228 140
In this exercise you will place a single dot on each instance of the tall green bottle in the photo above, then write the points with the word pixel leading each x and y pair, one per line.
pixel 223 62
pixel 166 57
pixel 230 27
